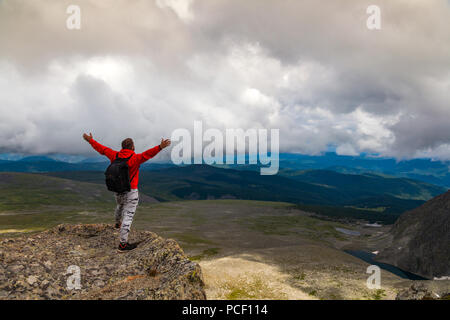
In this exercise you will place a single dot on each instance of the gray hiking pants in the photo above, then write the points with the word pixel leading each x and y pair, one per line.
pixel 126 207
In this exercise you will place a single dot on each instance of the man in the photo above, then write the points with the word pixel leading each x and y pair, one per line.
pixel 127 201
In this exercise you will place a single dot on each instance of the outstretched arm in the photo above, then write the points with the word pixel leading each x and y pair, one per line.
pixel 100 148
pixel 150 153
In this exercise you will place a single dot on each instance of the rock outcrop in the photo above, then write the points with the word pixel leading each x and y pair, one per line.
pixel 421 239
pixel 426 290
pixel 46 266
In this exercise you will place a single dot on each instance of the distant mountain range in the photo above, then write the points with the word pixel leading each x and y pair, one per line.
pixel 373 189
pixel 426 170
pixel 370 197
pixel 38 164
pixel 37 159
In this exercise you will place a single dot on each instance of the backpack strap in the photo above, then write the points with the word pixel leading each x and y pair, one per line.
pixel 135 172
pixel 133 176
pixel 127 160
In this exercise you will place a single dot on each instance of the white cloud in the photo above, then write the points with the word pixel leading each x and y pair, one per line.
pixel 145 68
pixel 180 7
pixel 346 149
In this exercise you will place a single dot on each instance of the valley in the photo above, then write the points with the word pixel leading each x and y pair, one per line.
pixel 248 248
pixel 370 197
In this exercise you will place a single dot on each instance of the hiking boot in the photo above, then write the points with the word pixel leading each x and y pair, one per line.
pixel 124 247
pixel 117 225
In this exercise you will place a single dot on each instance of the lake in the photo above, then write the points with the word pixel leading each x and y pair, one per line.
pixel 369 258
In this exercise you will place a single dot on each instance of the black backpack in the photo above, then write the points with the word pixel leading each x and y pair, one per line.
pixel 117 175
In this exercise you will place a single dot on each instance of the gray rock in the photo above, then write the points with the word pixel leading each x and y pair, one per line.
pixel 99 283
pixel 421 239
pixel 44 284
pixel 40 269
pixel 16 268
pixel 31 280
pixel 426 290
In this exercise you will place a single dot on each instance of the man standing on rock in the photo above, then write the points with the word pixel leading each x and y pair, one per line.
pixel 127 201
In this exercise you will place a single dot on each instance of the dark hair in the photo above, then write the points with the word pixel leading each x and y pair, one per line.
pixel 127 144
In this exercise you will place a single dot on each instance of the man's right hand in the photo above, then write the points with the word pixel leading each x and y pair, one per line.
pixel 164 143
pixel 87 137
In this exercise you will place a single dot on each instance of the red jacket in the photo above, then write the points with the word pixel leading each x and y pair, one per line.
pixel 135 161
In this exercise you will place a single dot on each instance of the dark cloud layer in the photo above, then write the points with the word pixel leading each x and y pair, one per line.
pixel 144 68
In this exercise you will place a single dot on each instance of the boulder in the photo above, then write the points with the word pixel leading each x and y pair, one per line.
pixel 426 290
pixel 82 262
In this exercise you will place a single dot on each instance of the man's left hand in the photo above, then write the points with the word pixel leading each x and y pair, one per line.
pixel 87 137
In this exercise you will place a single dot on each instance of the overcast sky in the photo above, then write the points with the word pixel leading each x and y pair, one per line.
pixel 312 69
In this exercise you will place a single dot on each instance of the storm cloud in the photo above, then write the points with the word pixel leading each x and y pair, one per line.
pixel 144 68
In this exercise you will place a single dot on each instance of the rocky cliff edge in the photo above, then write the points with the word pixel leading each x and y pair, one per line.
pixel 81 262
